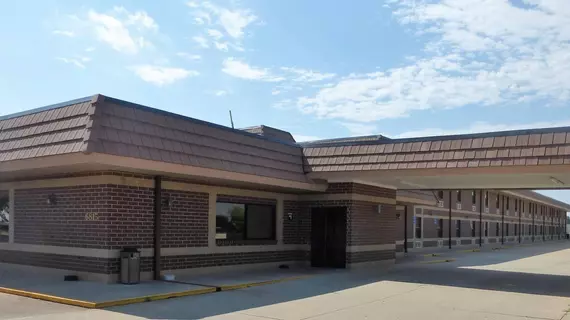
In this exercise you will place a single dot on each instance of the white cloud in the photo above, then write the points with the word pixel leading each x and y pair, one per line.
pixel 480 127
pixel 222 46
pixel 161 76
pixel 234 21
pixel 215 34
pixel 239 69
pixel 201 41
pixel 122 30
pixel 90 49
pixel 303 75
pixel 221 93
pixel 479 53
pixel 65 33
pixel 360 129
pixel 186 55
pixel 192 4
pixel 78 61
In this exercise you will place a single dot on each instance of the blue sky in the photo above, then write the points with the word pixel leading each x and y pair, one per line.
pixel 397 68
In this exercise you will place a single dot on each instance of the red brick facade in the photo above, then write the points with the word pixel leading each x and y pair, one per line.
pixel 185 219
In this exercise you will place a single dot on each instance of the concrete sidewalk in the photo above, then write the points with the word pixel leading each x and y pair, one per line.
pixel 20 281
pixel 231 280
pixel 88 294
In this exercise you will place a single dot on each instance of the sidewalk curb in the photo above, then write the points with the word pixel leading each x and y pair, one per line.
pixel 437 261
pixel 260 283
pixel 104 304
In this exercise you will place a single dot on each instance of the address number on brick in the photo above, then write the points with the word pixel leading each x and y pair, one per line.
pixel 91 217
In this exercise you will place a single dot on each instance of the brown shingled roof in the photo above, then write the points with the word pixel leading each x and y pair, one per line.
pixel 105 125
pixel 511 148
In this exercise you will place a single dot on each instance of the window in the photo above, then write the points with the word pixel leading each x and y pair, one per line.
pixel 486 199
pixel 473 197
pixel 497 202
pixel 516 229
pixel 486 229
pixel 496 229
pixel 458 228
pixel 236 221
pixel 4 216
pixel 440 195
pixel 507 204
pixel 473 229
pixel 507 230
pixel 516 205
pixel 440 228
pixel 418 228
pixel 458 196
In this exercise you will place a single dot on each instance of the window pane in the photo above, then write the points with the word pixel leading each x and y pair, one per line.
pixel 230 221
pixel 260 222
pixel 4 216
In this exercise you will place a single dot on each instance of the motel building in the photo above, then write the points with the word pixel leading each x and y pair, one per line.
pixel 84 179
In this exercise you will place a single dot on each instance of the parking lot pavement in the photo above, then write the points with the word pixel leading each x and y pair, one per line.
pixel 517 283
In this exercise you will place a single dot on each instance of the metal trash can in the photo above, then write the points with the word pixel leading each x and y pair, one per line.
pixel 130 266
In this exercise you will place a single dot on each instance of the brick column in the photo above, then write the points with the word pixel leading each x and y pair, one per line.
pixel 371 223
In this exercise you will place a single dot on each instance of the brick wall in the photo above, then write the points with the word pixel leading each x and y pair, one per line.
pixel 59 261
pixel 357 188
pixel 367 227
pixel 370 256
pixel 130 217
pixel 224 259
pixel 63 223
pixel 185 221
pixel 297 230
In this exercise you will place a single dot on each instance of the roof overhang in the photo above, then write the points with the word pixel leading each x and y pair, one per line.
pixel 81 162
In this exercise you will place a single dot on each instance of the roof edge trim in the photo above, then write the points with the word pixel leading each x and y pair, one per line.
pixel 493 134
pixel 45 108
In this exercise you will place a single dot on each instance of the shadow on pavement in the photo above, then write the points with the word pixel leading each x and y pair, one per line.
pixel 446 274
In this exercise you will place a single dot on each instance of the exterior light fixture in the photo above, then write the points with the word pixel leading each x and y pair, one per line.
pixel 52 199
pixel 290 216
pixel 398 216
pixel 166 202
pixel 380 208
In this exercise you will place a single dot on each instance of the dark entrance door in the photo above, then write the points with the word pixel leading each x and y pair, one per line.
pixel 328 237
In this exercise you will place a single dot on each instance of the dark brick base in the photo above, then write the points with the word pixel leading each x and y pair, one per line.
pixel 59 261
pixel 112 266
pixel 369 256
pixel 226 259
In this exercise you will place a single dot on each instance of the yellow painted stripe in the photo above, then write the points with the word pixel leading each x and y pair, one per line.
pixel 470 250
pixel 47 297
pixel 105 304
pixel 259 283
pixel 433 255
pixel 154 297
pixel 437 261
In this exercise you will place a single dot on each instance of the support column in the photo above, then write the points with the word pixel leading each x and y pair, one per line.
pixel 481 217
pixel 449 224
pixel 405 228
pixel 503 222
pixel 520 213
pixel 533 209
